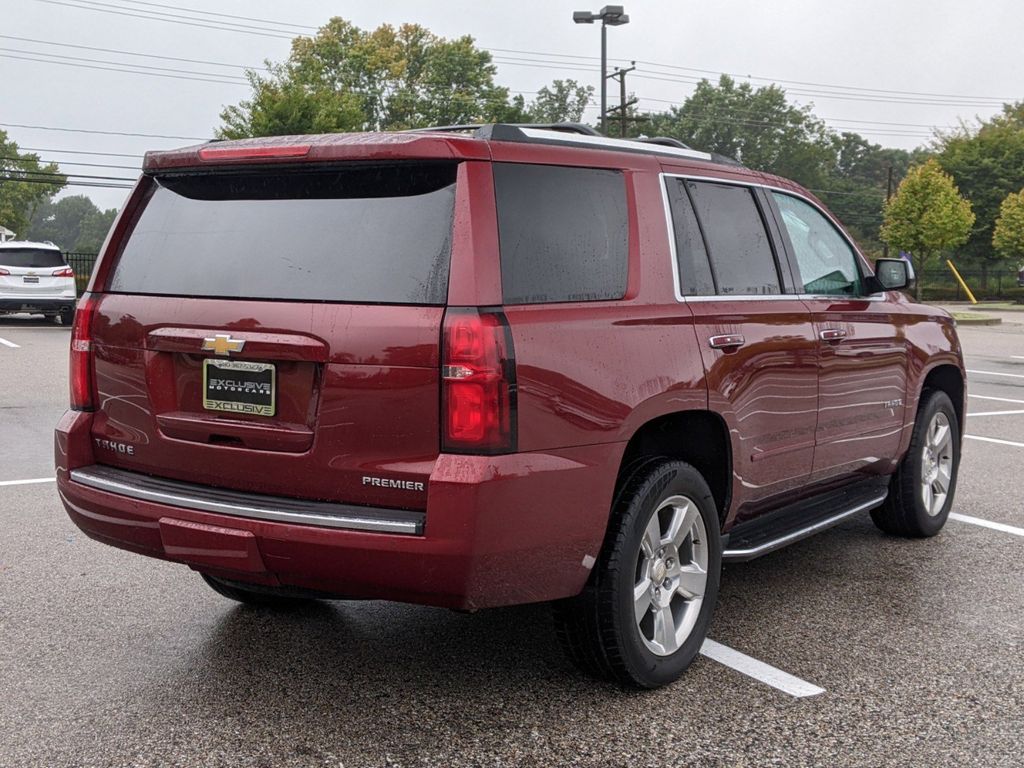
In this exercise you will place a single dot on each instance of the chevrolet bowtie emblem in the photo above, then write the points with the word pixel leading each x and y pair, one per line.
pixel 223 344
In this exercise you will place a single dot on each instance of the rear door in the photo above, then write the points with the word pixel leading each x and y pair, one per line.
pixel 28 273
pixel 862 351
pixel 755 335
pixel 277 331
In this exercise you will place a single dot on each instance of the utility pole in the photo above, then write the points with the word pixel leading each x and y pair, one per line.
pixel 888 195
pixel 624 104
pixel 609 16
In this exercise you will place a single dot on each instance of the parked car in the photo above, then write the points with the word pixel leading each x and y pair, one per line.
pixel 510 364
pixel 34 277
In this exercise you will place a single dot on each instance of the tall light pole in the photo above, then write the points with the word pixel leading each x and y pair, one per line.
pixel 609 16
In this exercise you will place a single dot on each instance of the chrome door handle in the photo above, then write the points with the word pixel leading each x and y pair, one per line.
pixel 726 341
pixel 832 334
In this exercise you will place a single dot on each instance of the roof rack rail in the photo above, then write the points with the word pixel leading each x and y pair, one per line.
pixel 579 135
pixel 579 128
pixel 664 141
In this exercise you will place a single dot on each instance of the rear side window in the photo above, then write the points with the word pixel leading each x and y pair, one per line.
pixel 367 234
pixel 563 232
pixel 695 277
pixel 741 254
pixel 31 258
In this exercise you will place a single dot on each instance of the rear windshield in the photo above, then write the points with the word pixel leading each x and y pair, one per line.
pixel 31 258
pixel 373 234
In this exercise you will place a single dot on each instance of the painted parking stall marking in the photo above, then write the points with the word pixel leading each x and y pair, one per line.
pixel 997 399
pixel 997 373
pixel 758 670
pixel 995 440
pixel 987 524
pixel 10 344
pixel 33 481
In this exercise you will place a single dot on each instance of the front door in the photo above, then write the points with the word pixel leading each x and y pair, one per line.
pixel 862 382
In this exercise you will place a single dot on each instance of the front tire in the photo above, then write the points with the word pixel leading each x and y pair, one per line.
pixel 921 491
pixel 646 611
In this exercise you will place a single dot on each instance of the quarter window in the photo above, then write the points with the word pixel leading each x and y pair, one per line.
pixel 738 245
pixel 563 233
pixel 827 263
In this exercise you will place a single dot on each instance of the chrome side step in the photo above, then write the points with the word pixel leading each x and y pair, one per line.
pixel 222 501
pixel 748 551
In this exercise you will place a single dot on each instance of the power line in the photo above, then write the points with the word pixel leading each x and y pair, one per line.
pixel 120 69
pixel 94 5
pixel 224 15
pixel 193 23
pixel 65 175
pixel 123 53
pixel 105 185
pixel 104 133
pixel 77 163
pixel 77 152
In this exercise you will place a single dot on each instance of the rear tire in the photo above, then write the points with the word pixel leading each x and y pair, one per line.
pixel 263 597
pixel 921 492
pixel 647 608
pixel 66 316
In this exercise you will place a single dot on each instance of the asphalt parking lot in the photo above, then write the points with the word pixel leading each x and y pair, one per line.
pixel 916 647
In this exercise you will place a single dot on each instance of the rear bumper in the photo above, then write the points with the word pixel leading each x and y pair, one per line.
pixel 498 530
pixel 36 303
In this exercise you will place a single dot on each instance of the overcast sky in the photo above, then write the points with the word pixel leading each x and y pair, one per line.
pixel 944 60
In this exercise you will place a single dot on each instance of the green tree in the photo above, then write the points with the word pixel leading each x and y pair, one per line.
pixel 562 101
pixel 74 223
pixel 94 229
pixel 1008 233
pixel 987 163
pixel 24 185
pixel 855 188
pixel 926 216
pixel 348 79
pixel 757 126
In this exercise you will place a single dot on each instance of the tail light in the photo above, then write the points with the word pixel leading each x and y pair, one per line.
pixel 478 383
pixel 83 389
pixel 4 271
pixel 66 272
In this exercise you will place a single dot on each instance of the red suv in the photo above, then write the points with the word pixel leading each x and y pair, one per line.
pixel 480 366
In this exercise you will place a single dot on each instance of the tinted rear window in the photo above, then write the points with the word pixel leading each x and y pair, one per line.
pixel 31 258
pixel 741 253
pixel 366 234
pixel 563 233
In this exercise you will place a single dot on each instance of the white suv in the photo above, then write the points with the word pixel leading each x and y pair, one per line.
pixel 35 278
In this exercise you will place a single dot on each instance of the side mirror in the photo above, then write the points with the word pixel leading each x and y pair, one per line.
pixel 894 275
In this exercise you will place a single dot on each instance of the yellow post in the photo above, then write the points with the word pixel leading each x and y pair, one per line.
pixel 962 283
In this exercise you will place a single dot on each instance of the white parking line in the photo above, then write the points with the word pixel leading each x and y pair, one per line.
pixel 10 344
pixel 993 440
pixel 997 373
pixel 994 413
pixel 758 670
pixel 29 482
pixel 1017 357
pixel 997 399
pixel 987 524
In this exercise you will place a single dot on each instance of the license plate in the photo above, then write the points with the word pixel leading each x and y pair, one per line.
pixel 31 279
pixel 239 386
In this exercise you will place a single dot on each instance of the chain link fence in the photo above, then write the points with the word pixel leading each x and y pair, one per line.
pixel 1000 284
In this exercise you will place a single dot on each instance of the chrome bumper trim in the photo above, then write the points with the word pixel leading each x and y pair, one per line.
pixel 248 505
pixel 740 555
